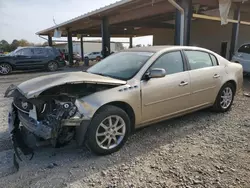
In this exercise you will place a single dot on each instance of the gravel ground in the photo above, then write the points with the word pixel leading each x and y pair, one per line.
pixel 203 149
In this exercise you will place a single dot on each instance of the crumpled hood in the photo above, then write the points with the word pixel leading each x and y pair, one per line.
pixel 34 87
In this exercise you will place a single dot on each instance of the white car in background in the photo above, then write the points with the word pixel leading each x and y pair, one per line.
pixel 242 56
pixel 93 55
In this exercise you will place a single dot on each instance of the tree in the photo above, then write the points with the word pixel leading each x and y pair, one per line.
pixel 14 44
pixel 23 42
pixel 4 45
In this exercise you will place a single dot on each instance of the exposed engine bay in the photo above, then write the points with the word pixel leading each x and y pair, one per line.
pixel 52 116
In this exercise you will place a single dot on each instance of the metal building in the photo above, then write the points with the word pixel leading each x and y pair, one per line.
pixel 187 22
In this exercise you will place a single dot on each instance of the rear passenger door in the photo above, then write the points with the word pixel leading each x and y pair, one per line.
pixel 41 57
pixel 205 77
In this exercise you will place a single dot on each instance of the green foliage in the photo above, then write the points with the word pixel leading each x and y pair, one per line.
pixel 6 47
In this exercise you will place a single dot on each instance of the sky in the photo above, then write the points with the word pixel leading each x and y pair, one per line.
pixel 21 19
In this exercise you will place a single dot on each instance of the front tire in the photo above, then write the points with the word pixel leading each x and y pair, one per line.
pixel 5 68
pixel 108 131
pixel 225 98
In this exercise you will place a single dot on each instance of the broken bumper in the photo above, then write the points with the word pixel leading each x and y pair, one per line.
pixel 35 127
pixel 17 137
pixel 20 144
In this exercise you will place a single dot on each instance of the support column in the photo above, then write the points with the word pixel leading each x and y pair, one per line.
pixel 50 40
pixel 187 6
pixel 130 42
pixel 70 47
pixel 235 31
pixel 82 50
pixel 105 37
pixel 177 40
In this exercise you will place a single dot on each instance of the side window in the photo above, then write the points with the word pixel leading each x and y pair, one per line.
pixel 214 60
pixel 244 49
pixel 49 51
pixel 198 59
pixel 25 52
pixel 39 52
pixel 172 62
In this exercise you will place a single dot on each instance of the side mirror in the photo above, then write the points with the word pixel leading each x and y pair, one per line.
pixel 156 73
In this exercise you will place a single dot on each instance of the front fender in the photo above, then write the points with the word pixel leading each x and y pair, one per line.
pixel 89 105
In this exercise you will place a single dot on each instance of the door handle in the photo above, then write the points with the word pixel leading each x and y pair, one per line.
pixel 216 76
pixel 183 83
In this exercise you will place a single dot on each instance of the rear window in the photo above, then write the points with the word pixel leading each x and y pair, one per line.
pixel 53 51
pixel 40 52
pixel 214 60
pixel 244 49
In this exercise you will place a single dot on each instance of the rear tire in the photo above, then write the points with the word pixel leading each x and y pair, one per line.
pixel 225 98
pixel 52 66
pixel 108 130
pixel 5 68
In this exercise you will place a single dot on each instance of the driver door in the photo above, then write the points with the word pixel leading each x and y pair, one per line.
pixel 167 96
pixel 24 58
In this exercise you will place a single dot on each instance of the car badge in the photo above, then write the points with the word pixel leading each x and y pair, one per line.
pixel 24 105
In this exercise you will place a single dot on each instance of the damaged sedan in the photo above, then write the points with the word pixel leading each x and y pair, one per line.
pixel 125 91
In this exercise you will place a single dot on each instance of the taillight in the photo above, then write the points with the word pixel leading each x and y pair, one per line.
pixel 62 56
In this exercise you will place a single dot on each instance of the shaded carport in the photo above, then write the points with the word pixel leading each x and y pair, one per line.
pixel 133 18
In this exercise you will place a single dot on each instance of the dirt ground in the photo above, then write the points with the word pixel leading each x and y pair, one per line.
pixel 203 149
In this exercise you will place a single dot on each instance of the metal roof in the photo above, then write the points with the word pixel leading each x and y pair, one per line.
pixel 97 11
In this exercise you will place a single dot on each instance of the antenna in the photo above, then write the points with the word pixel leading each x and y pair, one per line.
pixel 54 20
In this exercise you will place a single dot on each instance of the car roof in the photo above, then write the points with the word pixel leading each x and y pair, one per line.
pixel 159 48
pixel 23 47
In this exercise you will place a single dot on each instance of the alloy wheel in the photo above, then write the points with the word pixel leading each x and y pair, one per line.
pixel 110 132
pixel 226 98
pixel 52 66
pixel 5 68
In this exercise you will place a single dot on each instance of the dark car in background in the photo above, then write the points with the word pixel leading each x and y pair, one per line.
pixel 25 58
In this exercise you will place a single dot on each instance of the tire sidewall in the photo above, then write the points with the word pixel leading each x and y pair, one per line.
pixel 102 114
pixel 49 68
pixel 217 105
pixel 10 68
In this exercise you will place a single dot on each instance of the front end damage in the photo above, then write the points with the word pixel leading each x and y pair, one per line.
pixel 51 117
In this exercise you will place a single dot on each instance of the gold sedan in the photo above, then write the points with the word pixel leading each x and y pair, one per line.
pixel 125 91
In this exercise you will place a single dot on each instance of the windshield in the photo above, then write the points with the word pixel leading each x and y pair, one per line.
pixel 122 65
pixel 11 53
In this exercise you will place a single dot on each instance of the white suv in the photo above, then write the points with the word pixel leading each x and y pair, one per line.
pixel 93 55
pixel 242 56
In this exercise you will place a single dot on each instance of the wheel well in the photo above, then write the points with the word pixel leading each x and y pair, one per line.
pixel 233 83
pixel 53 61
pixel 127 108
pixel 8 64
